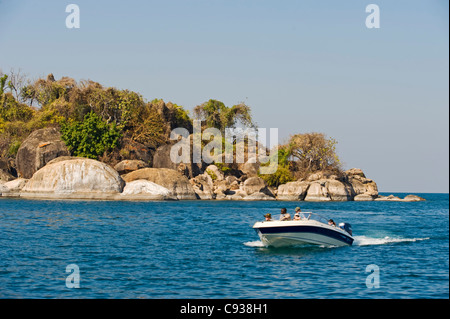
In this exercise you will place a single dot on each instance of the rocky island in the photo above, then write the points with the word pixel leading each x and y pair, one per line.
pixel 84 141
pixel 47 172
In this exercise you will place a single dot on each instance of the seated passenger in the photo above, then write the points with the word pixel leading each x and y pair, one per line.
pixel 284 215
pixel 268 217
pixel 331 223
pixel 297 216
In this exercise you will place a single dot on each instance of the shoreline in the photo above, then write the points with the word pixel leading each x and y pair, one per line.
pixel 154 198
pixel 88 179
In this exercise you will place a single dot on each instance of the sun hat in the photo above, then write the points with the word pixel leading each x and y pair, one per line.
pixel 297 209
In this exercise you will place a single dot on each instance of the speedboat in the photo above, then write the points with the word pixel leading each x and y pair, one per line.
pixel 310 229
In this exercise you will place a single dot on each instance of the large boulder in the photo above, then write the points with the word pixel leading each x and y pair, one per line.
pixel 318 191
pixel 323 186
pixel 127 166
pixel 390 198
pixel 80 178
pixel 254 185
pixel 142 189
pixel 249 168
pixel 5 176
pixel 7 170
pixel 339 191
pixel 292 191
pixel 161 158
pixel 235 196
pixel 39 148
pixel 14 187
pixel 361 184
pixel 175 182
pixel 215 173
pixel 63 158
pixel 203 186
pixel 355 172
pixel 315 176
pixel 413 198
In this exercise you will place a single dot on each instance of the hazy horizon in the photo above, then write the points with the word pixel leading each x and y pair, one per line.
pixel 301 67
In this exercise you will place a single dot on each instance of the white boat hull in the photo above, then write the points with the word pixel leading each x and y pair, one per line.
pixel 290 233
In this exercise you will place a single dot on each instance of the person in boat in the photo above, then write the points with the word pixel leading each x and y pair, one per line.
pixel 285 215
pixel 268 217
pixel 298 215
pixel 331 223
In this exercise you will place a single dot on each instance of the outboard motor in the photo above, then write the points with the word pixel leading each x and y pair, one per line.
pixel 347 227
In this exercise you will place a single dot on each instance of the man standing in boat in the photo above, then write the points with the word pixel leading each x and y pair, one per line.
pixel 285 215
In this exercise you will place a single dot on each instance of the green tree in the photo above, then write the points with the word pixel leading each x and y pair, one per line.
pixel 215 114
pixel 3 83
pixel 283 173
pixel 90 138
pixel 11 110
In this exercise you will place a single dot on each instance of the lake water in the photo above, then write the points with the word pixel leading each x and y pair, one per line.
pixel 207 249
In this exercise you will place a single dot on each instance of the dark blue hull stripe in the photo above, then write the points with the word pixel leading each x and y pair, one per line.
pixel 308 229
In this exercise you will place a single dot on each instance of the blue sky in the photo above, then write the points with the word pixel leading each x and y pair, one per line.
pixel 302 66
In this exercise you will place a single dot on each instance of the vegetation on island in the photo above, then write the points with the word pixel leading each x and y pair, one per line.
pixel 108 124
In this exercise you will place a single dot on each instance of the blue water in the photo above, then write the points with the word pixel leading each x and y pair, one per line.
pixel 207 249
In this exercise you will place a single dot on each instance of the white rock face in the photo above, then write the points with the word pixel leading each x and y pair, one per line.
pixel 76 178
pixel 317 191
pixel 13 188
pixel 178 184
pixel 16 184
pixel 292 191
pixel 339 191
pixel 143 189
pixel 3 189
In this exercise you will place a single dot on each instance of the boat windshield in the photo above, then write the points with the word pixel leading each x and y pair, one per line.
pixel 313 216
pixel 309 216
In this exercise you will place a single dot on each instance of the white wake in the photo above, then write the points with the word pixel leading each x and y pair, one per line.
pixel 359 241
pixel 367 241
pixel 256 243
